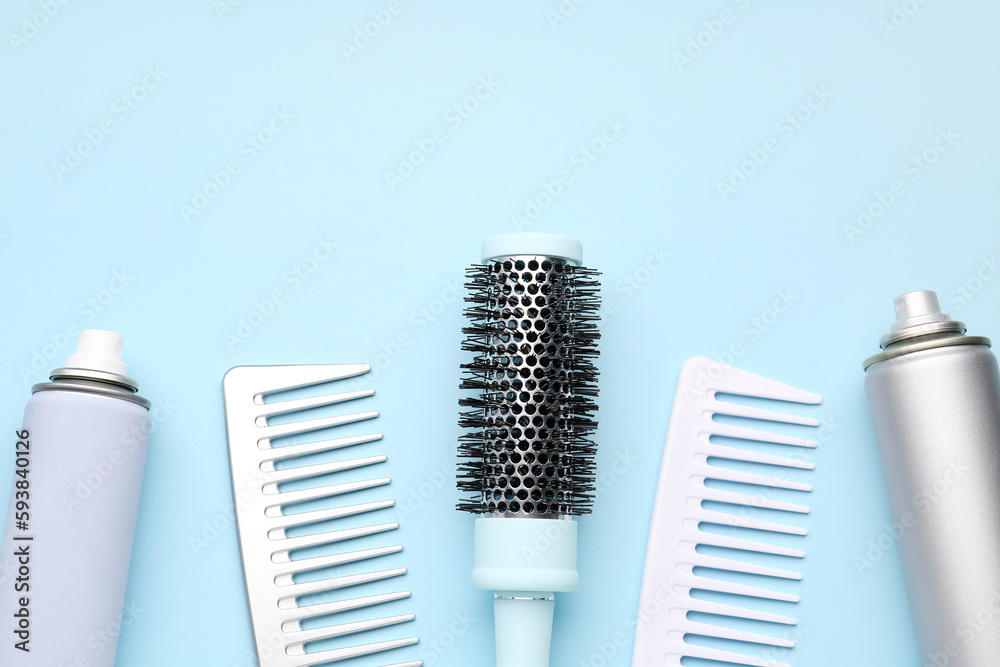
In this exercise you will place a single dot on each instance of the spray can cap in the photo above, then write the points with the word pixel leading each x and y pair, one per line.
pixel 920 325
pixel 96 367
pixel 919 314
pixel 915 308
pixel 98 350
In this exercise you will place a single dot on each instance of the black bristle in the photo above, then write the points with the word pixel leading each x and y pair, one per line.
pixel 527 450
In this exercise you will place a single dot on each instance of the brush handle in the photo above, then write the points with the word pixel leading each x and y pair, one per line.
pixel 523 628
pixel 526 561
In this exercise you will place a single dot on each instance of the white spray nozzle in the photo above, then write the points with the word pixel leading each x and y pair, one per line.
pixel 98 350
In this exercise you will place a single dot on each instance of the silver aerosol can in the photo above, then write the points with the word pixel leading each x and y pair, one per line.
pixel 934 395
pixel 79 460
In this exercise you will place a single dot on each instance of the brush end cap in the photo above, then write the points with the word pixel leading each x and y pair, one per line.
pixel 533 243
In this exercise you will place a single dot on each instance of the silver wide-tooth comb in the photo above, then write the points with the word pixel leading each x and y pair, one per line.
pixel 268 568
pixel 672 553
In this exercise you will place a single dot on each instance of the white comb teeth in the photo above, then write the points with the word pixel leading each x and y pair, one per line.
pixel 672 554
pixel 265 543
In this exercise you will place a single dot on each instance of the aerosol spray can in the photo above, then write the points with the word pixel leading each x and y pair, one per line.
pixel 79 460
pixel 934 395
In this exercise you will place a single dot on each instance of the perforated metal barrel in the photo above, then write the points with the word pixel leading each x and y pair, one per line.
pixel 533 329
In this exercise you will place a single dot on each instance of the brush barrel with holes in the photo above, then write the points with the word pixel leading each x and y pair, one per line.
pixel 527 457
pixel 934 397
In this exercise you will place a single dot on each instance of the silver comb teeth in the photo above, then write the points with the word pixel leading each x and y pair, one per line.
pixel 266 547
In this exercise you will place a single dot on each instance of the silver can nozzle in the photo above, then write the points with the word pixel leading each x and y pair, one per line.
pixel 915 308
pixel 919 314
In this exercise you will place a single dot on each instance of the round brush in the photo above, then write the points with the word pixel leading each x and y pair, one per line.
pixel 526 459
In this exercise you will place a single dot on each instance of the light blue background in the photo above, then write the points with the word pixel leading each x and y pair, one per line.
pixel 399 251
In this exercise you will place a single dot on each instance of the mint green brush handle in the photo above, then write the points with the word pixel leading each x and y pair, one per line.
pixel 525 561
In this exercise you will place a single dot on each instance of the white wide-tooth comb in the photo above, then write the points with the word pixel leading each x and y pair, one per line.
pixel 671 554
pixel 265 545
